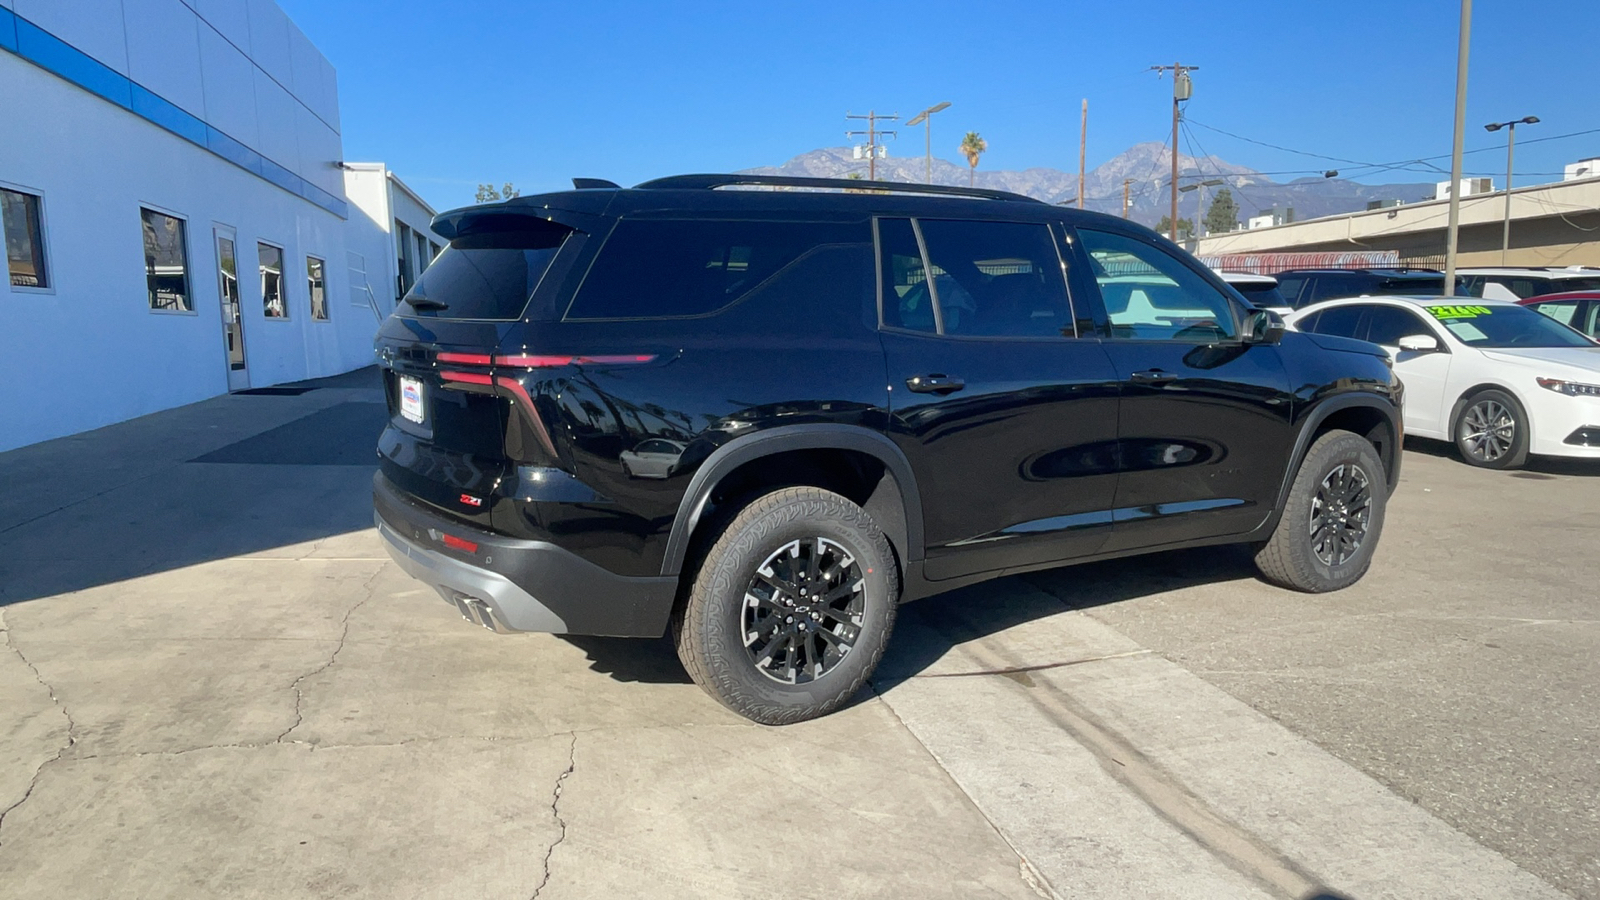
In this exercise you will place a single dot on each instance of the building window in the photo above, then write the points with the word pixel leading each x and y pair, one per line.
pixel 433 251
pixel 24 237
pixel 422 254
pixel 166 262
pixel 273 305
pixel 317 288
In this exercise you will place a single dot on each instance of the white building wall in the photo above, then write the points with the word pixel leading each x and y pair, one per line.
pixel 378 196
pixel 91 340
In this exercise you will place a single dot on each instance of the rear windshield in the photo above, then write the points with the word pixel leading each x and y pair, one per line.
pixel 1260 293
pixel 1508 326
pixel 1420 286
pixel 485 276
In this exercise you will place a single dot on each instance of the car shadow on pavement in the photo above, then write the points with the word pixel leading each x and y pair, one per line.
pixel 927 629
pixel 1536 467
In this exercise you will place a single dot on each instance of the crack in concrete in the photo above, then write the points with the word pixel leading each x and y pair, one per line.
pixel 344 632
pixel 555 810
pixel 72 726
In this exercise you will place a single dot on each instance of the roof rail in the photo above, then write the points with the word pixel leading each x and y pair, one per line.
pixel 710 182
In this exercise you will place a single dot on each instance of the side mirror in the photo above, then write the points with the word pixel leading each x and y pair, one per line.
pixel 1420 343
pixel 1263 326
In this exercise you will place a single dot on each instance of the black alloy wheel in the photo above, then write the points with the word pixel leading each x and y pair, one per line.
pixel 803 610
pixel 1340 511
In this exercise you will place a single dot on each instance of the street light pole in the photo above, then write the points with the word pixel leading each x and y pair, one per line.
pixel 1511 143
pixel 926 118
pixel 1453 228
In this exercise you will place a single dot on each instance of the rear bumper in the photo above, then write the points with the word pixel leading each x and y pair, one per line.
pixel 512 585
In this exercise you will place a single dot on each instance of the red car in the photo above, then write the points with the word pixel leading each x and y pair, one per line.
pixel 1580 309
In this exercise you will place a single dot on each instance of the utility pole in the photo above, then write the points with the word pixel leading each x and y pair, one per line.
pixel 1182 89
pixel 1453 228
pixel 926 117
pixel 1125 183
pixel 1083 144
pixel 872 133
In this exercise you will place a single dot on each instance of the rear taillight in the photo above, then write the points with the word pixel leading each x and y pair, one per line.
pixel 527 425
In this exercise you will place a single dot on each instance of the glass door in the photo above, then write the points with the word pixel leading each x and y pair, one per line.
pixel 232 327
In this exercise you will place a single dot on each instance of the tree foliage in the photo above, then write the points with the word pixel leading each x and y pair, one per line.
pixel 1223 215
pixel 487 193
pixel 972 147
pixel 1185 227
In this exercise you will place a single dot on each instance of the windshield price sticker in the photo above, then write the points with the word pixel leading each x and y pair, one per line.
pixel 1459 312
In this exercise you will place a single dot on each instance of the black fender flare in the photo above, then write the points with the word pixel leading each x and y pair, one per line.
pixel 816 436
pixel 1320 414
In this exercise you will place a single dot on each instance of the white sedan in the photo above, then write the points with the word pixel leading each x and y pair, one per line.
pixel 1498 379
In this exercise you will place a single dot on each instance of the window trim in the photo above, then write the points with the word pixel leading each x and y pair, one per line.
pixel 327 307
pixel 283 257
pixel 933 290
pixel 44 243
pixel 188 261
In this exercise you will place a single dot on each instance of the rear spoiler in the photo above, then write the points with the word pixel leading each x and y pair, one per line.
pixel 576 210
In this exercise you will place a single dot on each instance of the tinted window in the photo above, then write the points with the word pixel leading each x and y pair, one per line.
pixel 1340 320
pixel 166 262
pixel 1388 324
pixel 1425 287
pixel 1151 295
pixel 671 269
pixel 907 302
pixel 1331 287
pixel 1261 294
pixel 1505 326
pixel 19 220
pixel 996 279
pixel 1290 289
pixel 485 276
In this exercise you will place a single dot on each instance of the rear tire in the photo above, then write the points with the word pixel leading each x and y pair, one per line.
pixel 1491 431
pixel 791 608
pixel 1332 519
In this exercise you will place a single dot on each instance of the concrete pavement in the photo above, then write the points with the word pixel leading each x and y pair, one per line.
pixel 214 682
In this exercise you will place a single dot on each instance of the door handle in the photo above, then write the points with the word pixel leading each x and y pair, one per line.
pixel 934 384
pixel 1152 376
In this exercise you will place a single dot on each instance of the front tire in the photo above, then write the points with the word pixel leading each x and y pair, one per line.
pixel 1332 520
pixel 791 608
pixel 1491 431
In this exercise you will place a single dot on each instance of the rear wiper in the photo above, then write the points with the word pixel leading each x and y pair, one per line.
pixel 425 303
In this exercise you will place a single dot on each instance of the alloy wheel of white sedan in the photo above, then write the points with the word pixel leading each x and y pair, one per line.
pixel 1498 380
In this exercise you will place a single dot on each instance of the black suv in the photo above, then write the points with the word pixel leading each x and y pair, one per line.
pixel 763 417
pixel 1303 287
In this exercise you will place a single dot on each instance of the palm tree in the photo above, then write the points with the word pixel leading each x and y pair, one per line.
pixel 972 147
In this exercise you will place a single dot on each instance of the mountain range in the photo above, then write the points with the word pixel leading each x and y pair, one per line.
pixel 1149 167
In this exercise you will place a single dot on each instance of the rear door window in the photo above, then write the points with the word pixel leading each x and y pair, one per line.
pixel 485 276
pixel 674 269
pixel 996 279
pixel 1339 320
pixel 1388 324
pixel 1290 289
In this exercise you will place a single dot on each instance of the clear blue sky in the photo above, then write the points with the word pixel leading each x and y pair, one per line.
pixel 454 93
